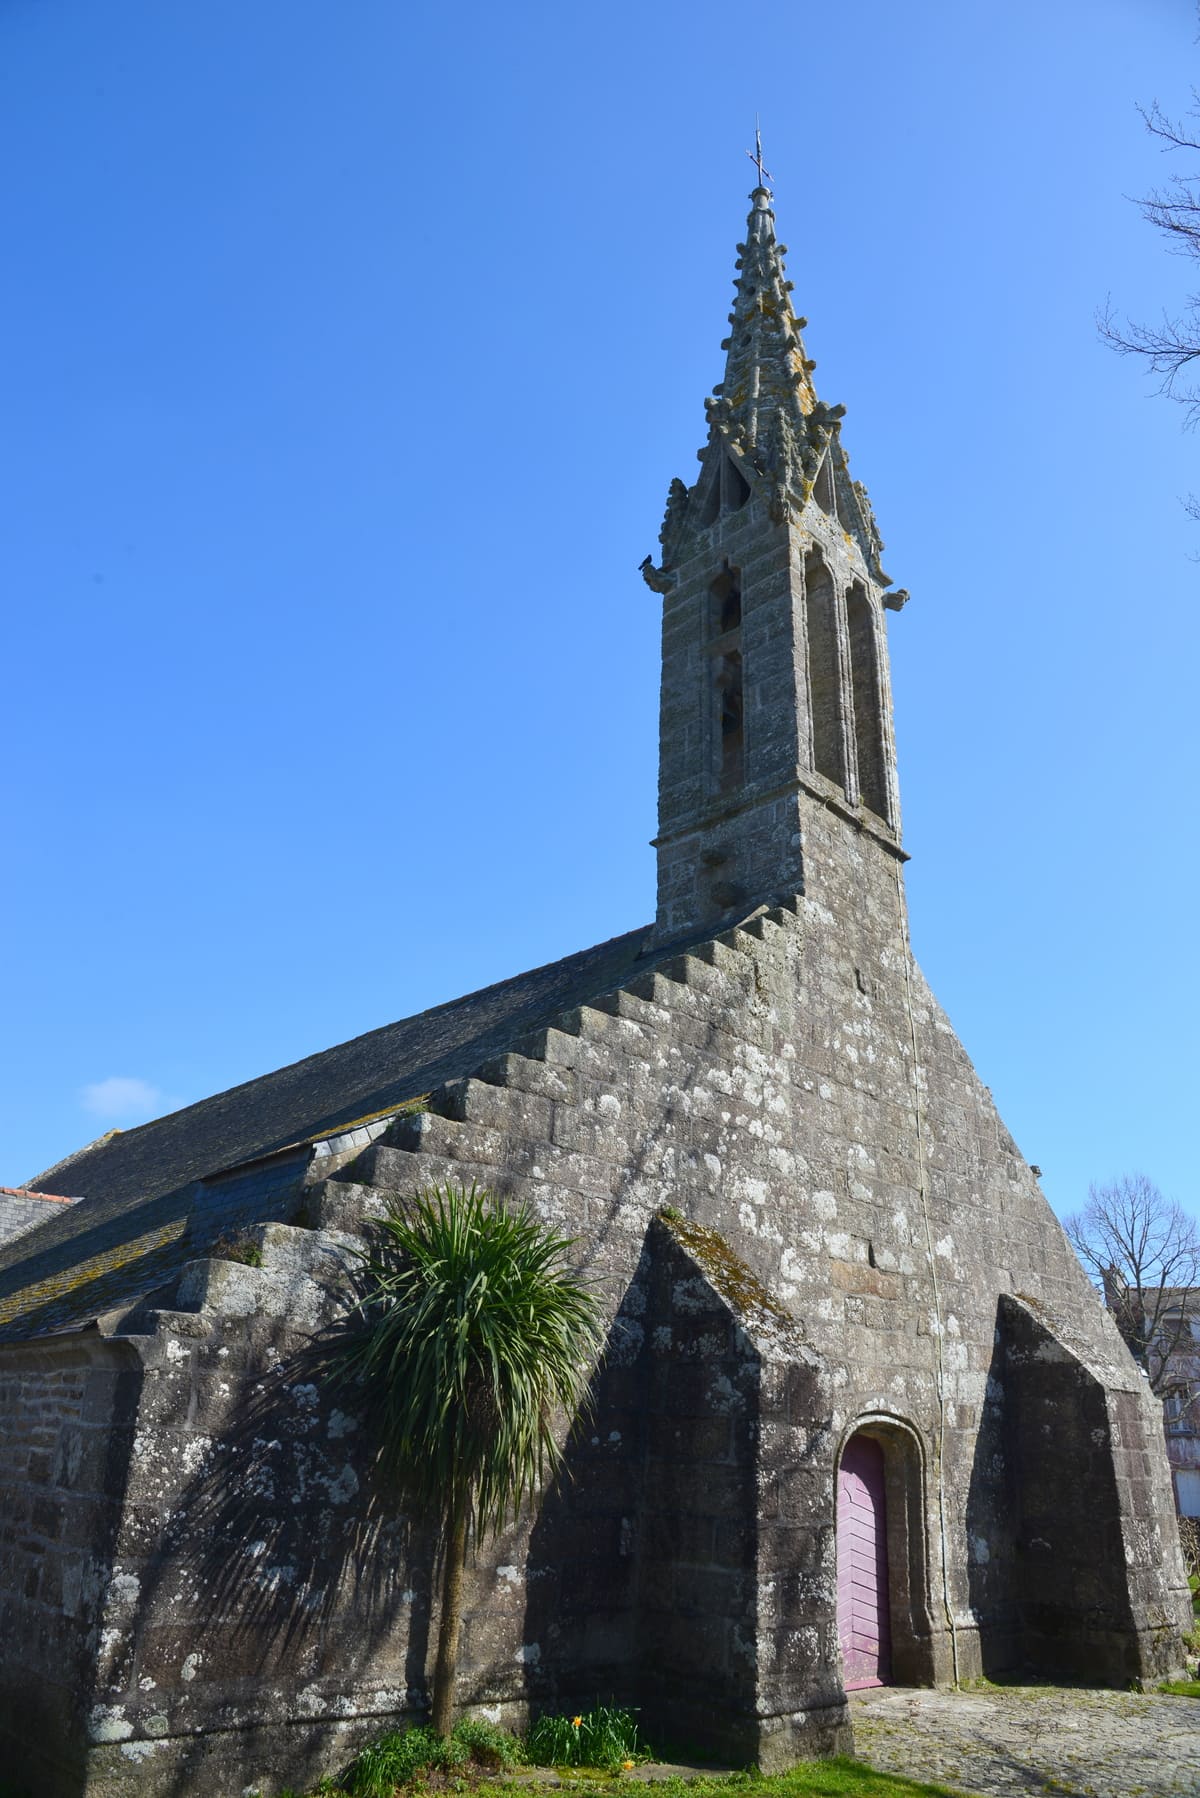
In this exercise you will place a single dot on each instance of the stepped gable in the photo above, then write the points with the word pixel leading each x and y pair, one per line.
pixel 136 1220
pixel 327 1091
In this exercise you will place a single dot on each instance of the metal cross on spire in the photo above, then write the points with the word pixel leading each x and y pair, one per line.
pixel 755 155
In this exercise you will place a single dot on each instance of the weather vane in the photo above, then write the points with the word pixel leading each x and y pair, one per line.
pixel 764 175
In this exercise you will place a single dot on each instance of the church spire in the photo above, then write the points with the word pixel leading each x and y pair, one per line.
pixel 767 429
pixel 766 371
pixel 775 693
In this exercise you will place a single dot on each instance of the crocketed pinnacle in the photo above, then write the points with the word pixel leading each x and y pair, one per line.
pixel 766 371
pixel 765 416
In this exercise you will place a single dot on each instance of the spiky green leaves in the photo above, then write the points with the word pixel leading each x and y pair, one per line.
pixel 475 1336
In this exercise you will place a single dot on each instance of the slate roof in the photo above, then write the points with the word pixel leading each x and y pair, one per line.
pixel 124 1235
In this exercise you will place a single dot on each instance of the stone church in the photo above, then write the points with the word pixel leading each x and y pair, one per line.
pixel 860 1417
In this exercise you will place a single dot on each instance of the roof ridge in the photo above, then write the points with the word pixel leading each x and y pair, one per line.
pixel 27 1192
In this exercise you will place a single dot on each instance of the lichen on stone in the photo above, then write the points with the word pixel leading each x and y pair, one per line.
pixel 731 1279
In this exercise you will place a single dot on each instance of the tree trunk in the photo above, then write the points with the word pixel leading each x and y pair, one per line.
pixel 447 1650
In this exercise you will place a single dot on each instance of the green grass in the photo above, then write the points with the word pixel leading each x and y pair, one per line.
pixel 1181 1688
pixel 403 1757
pixel 593 1756
pixel 840 1778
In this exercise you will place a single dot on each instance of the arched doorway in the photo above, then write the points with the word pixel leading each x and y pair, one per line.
pixel 863 1602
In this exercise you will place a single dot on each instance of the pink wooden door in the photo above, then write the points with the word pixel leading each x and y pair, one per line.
pixel 863 1621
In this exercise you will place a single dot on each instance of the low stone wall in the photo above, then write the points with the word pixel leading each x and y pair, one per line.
pixel 68 1409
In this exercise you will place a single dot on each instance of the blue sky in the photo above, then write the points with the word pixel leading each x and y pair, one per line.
pixel 349 353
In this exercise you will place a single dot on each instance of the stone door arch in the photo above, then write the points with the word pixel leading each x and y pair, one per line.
pixel 885 1625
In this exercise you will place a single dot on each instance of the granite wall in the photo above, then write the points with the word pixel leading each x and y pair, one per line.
pixel 68 1407
pixel 793 1093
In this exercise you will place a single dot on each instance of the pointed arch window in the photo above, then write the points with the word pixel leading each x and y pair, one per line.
pixel 824 489
pixel 868 701
pixel 728 707
pixel 710 496
pixel 735 488
pixel 824 670
pixel 723 488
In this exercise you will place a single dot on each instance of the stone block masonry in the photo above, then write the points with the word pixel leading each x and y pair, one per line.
pixel 809 1226
pixel 69 1409
pixel 261 1605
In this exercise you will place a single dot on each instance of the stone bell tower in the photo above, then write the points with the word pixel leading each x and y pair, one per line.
pixel 775 686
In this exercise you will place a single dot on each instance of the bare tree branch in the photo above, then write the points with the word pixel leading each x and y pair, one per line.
pixel 1142 1252
pixel 1170 350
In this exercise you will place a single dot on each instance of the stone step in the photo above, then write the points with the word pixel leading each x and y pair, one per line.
pixel 654 988
pixel 740 939
pixel 420 1133
pixel 625 1033
pixel 587 1055
pixel 595 1126
pixel 303 1277
pixel 502 1108
pixel 493 1158
pixel 394 1169
pixel 774 924
pixel 727 958
pixel 384 1173
pixel 346 1207
pixel 524 1074
pixel 714 977
pixel 761 930
pixel 668 1016
pixel 731 983
pixel 644 1001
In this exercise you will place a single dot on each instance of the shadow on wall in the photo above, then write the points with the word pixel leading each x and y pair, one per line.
pixel 640 1583
pixel 70 1409
pixel 283 1579
pixel 1046 1557
pixel 100 1256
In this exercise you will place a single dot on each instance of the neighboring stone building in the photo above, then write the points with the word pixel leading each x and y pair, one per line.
pixel 1181 1411
pixel 1170 1325
pixel 861 1416
pixel 21 1210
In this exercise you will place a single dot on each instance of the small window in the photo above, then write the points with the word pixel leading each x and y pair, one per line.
pixel 824 491
pixel 727 601
pixel 1187 1491
pixel 737 488
pixel 824 670
pixel 733 739
pixel 724 488
pixel 710 503
pixel 867 700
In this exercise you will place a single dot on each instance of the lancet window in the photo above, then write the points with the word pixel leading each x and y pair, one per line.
pixel 868 703
pixel 725 489
pixel 824 670
pixel 725 600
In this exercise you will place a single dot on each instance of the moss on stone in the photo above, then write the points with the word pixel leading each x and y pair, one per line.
pixel 725 1270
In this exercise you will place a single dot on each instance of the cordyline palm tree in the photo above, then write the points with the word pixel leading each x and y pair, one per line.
pixel 473 1335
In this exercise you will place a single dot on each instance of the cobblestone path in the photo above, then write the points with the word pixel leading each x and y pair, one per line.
pixel 1008 1741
